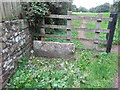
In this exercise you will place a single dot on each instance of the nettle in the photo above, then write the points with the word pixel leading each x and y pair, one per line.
pixel 34 11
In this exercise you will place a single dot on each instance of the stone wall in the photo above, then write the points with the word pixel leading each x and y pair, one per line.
pixel 15 41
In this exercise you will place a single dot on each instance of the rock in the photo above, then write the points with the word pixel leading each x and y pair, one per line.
pixel 53 49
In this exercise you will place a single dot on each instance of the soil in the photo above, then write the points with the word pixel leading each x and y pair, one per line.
pixel 82 35
pixel 90 45
pixel 117 82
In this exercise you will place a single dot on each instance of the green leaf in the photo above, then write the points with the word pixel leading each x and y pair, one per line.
pixel 28 85
pixel 20 61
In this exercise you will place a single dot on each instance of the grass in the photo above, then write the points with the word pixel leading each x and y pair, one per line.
pixel 86 70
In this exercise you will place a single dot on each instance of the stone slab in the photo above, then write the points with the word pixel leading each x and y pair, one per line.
pixel 53 49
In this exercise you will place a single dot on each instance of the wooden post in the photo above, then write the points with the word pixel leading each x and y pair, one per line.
pixel 110 36
pixel 98 26
pixel 42 30
pixel 69 27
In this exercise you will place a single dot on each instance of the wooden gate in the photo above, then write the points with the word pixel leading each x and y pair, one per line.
pixel 69 27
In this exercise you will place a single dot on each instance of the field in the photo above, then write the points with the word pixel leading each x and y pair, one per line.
pixel 104 25
pixel 87 69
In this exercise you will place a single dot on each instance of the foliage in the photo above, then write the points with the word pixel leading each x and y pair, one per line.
pixel 85 70
pixel 92 10
pixel 74 8
pixel 115 6
pixel 101 8
pixel 82 9
pixel 35 10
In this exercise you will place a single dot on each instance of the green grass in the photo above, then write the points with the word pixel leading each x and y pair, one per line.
pixel 57 32
pixel 86 70
pixel 85 14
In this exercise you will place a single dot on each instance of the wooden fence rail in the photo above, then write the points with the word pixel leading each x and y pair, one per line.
pixel 78 17
pixel 76 38
pixel 75 28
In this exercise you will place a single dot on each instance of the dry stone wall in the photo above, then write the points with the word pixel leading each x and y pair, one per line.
pixel 15 41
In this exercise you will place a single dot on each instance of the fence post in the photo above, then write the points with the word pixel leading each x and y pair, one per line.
pixel 42 30
pixel 69 27
pixel 110 35
pixel 98 26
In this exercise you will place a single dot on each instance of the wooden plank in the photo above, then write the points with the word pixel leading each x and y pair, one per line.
pixel 12 7
pixel 92 40
pixel 14 13
pixel 77 17
pixel 98 26
pixel 93 30
pixel 75 38
pixel 81 39
pixel 11 10
pixel 75 28
pixel 69 27
pixel 42 30
pixel 54 36
pixel 89 49
pixel 2 10
pixel 7 10
pixel 18 8
pixel 54 26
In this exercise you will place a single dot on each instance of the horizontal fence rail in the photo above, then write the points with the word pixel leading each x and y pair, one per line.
pixel 78 17
pixel 75 38
pixel 76 28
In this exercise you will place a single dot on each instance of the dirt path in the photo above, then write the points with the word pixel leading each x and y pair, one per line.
pixel 117 82
pixel 82 35
pixel 115 48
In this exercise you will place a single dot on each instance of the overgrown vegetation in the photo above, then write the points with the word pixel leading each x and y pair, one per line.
pixel 85 70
